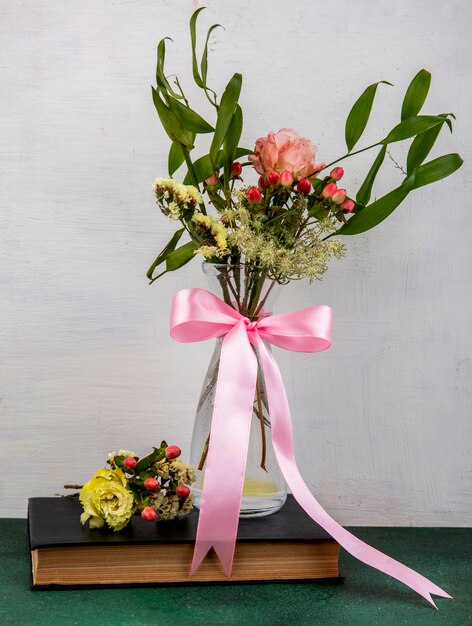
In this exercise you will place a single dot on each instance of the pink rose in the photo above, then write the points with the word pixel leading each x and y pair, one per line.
pixel 284 151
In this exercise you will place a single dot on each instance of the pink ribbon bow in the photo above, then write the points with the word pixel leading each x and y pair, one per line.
pixel 198 315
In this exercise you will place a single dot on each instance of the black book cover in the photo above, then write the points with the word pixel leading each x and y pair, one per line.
pixel 54 522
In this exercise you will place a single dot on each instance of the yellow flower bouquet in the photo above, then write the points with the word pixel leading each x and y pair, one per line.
pixel 156 486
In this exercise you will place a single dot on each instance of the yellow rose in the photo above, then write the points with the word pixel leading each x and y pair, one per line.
pixel 106 498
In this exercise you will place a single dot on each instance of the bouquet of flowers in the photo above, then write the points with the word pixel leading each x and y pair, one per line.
pixel 281 226
pixel 156 487
pixel 260 217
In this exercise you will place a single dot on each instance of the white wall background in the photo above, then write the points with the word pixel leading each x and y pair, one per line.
pixel 382 420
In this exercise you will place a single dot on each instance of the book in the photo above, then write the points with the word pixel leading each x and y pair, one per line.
pixel 283 547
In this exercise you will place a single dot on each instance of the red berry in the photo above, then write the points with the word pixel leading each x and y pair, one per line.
pixel 329 190
pixel 339 196
pixel 149 514
pixel 151 484
pixel 130 462
pixel 182 491
pixel 172 452
pixel 212 180
pixel 237 169
pixel 273 178
pixel 286 178
pixel 337 173
pixel 304 186
pixel 253 195
pixel 347 206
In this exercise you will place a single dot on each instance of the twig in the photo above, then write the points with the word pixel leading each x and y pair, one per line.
pixel 397 165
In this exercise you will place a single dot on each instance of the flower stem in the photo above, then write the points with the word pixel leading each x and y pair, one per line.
pixel 263 301
pixel 261 419
pixel 204 453
pixel 349 154
pixel 255 294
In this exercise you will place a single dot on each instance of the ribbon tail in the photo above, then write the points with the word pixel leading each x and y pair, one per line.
pixel 224 550
pixel 227 453
pixel 282 439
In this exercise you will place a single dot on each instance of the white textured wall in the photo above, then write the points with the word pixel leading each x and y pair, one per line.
pixel 382 420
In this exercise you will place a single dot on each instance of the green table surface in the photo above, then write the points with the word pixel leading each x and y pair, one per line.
pixel 365 597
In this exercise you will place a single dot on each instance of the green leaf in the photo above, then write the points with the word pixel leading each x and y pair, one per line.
pixel 447 121
pixel 193 36
pixel 170 247
pixel 416 94
pixel 359 115
pixel 176 157
pixel 148 460
pixel 226 111
pixel 133 488
pixel 181 256
pixel 189 119
pixel 412 126
pixel 204 62
pixel 220 203
pixel 317 184
pixel 161 80
pixel 171 122
pixel 318 212
pixel 203 168
pixel 421 147
pixel 376 212
pixel 365 191
pixel 231 140
pixel 437 169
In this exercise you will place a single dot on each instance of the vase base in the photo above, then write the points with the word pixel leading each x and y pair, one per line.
pixel 260 507
pixel 254 507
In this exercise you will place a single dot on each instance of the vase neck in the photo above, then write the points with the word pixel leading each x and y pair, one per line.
pixel 243 287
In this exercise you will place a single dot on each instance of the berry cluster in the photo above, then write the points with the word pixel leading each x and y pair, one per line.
pixel 159 481
pixel 322 190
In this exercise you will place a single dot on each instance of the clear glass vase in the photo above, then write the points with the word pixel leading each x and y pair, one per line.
pixel 252 294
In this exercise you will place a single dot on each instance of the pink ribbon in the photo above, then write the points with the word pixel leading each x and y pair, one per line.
pixel 198 315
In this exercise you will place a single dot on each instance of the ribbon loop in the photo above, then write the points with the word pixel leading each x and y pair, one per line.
pixel 198 315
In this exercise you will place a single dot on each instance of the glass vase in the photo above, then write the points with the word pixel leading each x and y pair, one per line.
pixel 264 492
